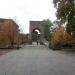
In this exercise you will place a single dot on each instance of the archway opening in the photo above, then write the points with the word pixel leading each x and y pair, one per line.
pixel 36 34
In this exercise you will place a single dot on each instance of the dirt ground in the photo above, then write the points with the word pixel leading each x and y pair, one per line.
pixel 4 51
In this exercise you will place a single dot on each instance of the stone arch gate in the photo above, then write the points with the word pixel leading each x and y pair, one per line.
pixel 36 25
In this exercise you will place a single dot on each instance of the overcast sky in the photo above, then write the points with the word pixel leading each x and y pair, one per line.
pixel 24 11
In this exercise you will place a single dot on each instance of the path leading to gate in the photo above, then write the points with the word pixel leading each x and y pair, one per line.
pixel 36 60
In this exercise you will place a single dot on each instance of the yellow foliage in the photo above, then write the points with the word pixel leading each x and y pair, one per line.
pixel 67 38
pixel 57 36
pixel 60 36
pixel 18 39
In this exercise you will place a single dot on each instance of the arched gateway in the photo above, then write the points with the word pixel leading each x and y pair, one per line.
pixel 36 30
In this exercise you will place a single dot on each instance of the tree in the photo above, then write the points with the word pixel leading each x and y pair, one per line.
pixel 18 39
pixel 67 38
pixel 60 37
pixel 47 24
pixel 55 25
pixel 57 36
pixel 66 13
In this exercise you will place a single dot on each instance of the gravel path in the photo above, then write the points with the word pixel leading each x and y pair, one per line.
pixel 36 60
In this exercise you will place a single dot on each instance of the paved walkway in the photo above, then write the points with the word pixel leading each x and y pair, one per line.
pixel 36 60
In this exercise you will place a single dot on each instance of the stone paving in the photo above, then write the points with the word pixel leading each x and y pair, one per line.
pixel 36 60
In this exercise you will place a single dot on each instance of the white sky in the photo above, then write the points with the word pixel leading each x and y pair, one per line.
pixel 25 10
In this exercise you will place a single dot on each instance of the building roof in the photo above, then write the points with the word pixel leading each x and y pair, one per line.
pixel 2 20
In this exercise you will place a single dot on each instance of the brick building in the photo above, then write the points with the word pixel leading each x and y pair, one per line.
pixel 8 31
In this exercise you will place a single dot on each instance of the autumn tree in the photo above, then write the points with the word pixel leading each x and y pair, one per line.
pixel 66 13
pixel 60 37
pixel 47 24
pixel 18 39
pixel 67 38
pixel 57 36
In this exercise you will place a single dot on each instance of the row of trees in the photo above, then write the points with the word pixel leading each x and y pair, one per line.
pixel 56 34
pixel 9 33
pixel 66 14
